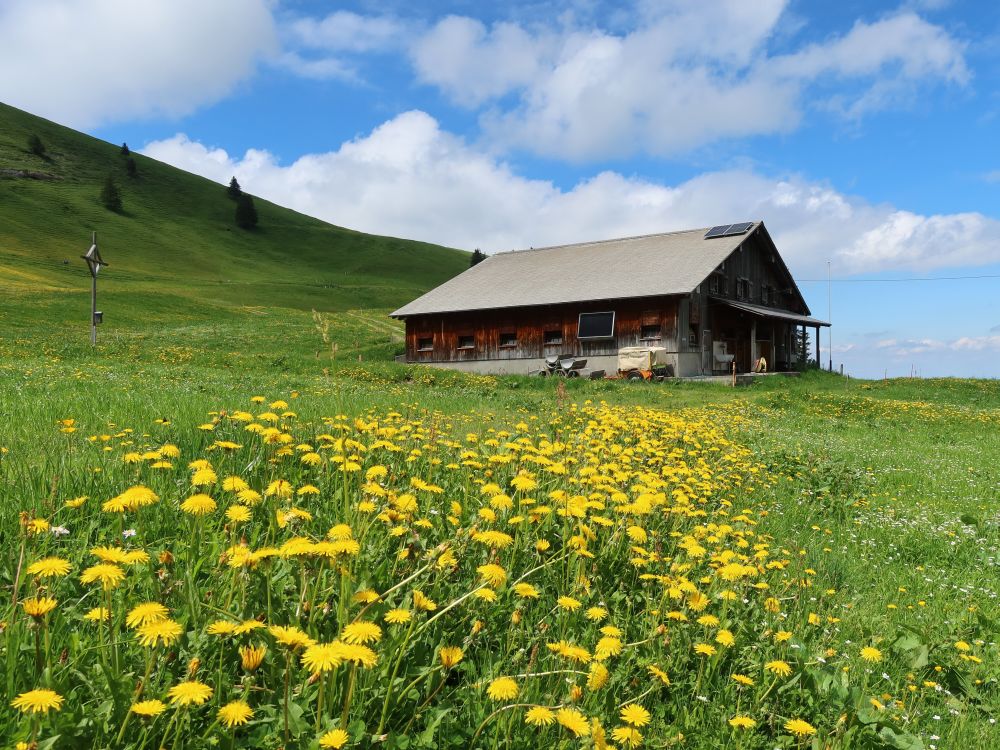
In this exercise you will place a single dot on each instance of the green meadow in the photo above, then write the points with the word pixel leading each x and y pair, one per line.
pixel 847 530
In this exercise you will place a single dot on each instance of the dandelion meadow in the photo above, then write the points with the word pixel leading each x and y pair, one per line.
pixel 380 556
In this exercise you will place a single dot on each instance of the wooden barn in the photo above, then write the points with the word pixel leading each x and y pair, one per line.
pixel 709 296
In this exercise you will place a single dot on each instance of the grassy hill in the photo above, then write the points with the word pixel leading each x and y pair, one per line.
pixel 176 256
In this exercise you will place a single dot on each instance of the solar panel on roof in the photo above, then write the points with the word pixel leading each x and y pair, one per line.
pixel 728 230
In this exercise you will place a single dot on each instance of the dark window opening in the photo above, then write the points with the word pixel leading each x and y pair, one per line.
pixel 743 289
pixel 650 333
pixel 553 337
pixel 466 342
pixel 508 338
pixel 425 344
pixel 599 325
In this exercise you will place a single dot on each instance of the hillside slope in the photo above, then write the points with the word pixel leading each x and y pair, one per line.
pixel 174 251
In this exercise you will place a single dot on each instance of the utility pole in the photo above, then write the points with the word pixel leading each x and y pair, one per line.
pixel 94 264
pixel 829 308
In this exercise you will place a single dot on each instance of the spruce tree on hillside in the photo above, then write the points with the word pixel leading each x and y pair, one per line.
pixel 125 151
pixel 111 198
pixel 35 145
pixel 130 168
pixel 478 256
pixel 234 191
pixel 246 213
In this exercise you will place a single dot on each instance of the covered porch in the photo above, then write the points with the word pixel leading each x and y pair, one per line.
pixel 740 333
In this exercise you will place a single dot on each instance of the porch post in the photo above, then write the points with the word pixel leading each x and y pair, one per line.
pixel 753 343
pixel 818 360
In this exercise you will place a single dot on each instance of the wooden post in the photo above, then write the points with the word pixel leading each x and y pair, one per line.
pixel 819 361
pixel 753 344
pixel 734 373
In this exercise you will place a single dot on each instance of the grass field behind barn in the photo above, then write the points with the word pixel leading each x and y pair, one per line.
pixel 235 523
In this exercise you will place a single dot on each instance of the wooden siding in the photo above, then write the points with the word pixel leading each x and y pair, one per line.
pixel 530 324
pixel 757 265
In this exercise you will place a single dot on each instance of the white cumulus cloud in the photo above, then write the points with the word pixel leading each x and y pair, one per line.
pixel 86 62
pixel 687 74
pixel 411 178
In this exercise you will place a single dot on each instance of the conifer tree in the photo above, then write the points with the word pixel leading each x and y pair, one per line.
pixel 478 256
pixel 246 213
pixel 234 191
pixel 124 151
pixel 111 197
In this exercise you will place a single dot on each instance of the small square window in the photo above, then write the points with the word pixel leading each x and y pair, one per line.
pixel 425 344
pixel 508 338
pixel 466 342
pixel 553 337
pixel 650 333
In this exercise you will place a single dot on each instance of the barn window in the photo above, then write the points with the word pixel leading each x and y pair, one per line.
pixel 650 333
pixel 743 288
pixel 425 344
pixel 508 338
pixel 466 342
pixel 553 337
pixel 765 294
pixel 596 325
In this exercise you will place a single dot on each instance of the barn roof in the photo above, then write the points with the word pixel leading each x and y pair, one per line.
pixel 645 266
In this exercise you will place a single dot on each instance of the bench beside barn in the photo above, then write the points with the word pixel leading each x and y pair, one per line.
pixel 709 296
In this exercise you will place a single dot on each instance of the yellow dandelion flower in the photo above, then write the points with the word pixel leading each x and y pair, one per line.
pixel 49 567
pixel 422 602
pixel 198 505
pixel 235 713
pixel 290 636
pixel 704 649
pixel 221 627
pixel 659 674
pixel 742 722
pixel 539 716
pixel 598 676
pixel 37 701
pixel 40 606
pixel 145 613
pixel 251 657
pixel 799 727
pixel 159 632
pixel 526 591
pixel 450 656
pixel 871 654
pixel 742 679
pixel 635 715
pixel 627 736
pixel 596 614
pixel 574 721
pixel 148 708
pixel 335 739
pixel 778 667
pixel 189 693
pixel 107 574
pixel 398 616
pixel 493 574
pixel 503 689
pixel 238 513
pixel 322 657
pixel 97 614
pixel 361 632
pixel 568 603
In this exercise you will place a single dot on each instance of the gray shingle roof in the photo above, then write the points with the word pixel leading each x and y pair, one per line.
pixel 646 266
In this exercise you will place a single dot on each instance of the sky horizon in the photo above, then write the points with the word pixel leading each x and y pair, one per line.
pixel 863 134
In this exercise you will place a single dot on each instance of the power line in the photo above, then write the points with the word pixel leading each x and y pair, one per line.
pixel 898 281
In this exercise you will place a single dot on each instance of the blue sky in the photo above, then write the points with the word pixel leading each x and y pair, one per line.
pixel 862 133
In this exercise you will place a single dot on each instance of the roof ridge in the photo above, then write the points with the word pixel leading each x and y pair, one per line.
pixel 600 242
